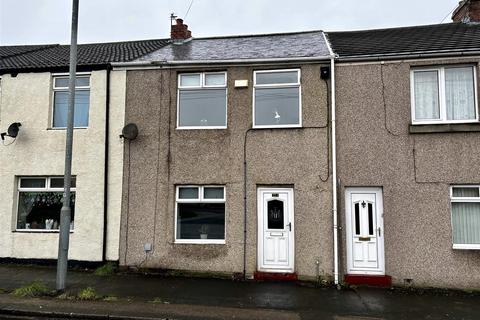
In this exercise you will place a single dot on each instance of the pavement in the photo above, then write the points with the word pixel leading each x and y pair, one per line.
pixel 137 296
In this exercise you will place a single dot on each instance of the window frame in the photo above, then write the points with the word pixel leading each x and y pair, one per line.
pixel 200 199
pixel 63 89
pixel 442 105
pixel 47 188
pixel 298 85
pixel 202 86
pixel 462 200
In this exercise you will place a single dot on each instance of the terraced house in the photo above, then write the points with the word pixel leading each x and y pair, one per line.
pixel 230 172
pixel 33 99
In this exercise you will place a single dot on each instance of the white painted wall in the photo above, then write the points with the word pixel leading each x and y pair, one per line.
pixel 39 150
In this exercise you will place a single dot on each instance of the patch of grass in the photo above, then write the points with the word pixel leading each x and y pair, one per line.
pixel 87 294
pixel 34 289
pixel 107 269
pixel 110 298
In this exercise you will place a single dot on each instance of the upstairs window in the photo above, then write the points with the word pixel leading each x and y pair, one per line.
pixel 465 204
pixel 277 99
pixel 40 201
pixel 202 100
pixel 444 95
pixel 60 101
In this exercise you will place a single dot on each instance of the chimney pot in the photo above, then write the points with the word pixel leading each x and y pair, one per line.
pixel 179 32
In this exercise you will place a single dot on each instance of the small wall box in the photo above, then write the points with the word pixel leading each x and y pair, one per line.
pixel 241 83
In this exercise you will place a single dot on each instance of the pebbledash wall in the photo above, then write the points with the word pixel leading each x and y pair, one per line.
pixel 163 157
pixel 39 151
pixel 376 149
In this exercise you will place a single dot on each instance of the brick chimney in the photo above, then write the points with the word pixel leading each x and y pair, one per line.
pixel 179 32
pixel 467 11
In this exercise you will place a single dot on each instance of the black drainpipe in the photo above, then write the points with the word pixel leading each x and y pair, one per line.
pixel 105 170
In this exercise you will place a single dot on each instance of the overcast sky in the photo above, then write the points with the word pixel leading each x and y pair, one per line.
pixel 48 21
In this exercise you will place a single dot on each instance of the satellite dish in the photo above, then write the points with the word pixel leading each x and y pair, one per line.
pixel 12 130
pixel 130 131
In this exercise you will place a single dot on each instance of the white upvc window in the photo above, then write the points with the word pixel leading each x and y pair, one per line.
pixel 60 101
pixel 446 94
pixel 39 203
pixel 200 214
pixel 202 100
pixel 465 206
pixel 277 99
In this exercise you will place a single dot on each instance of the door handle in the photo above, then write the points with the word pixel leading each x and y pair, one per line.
pixel 289 226
pixel 379 231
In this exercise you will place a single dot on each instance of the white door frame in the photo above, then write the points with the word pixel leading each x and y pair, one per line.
pixel 378 191
pixel 290 218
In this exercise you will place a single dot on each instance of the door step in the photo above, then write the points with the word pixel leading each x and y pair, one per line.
pixel 274 276
pixel 368 280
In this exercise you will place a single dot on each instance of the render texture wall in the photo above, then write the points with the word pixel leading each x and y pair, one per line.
pixel 163 157
pixel 39 151
pixel 415 171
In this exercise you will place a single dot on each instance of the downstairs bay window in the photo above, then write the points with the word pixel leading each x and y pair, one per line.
pixel 39 203
pixel 200 214
pixel 444 95
pixel 465 204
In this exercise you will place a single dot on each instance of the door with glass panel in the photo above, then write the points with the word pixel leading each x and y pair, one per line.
pixel 364 222
pixel 275 230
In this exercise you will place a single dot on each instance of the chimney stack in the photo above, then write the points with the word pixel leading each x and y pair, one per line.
pixel 468 11
pixel 179 32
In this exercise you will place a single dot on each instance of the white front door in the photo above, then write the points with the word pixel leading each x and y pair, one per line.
pixel 275 230
pixel 364 227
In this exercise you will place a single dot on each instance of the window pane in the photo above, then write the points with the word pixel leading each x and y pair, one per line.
pixel 203 107
pixel 460 93
pixel 277 77
pixel 82 82
pixel 58 182
pixel 188 193
pixel 82 101
pixel 277 106
pixel 465 192
pixel 32 183
pixel 190 80
pixel 41 210
pixel 213 193
pixel 426 95
pixel 357 218
pixel 370 219
pixel 215 79
pixel 275 214
pixel 201 221
pixel 466 223
pixel 79 82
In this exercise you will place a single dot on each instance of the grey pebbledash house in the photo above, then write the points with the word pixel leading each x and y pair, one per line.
pixel 408 145
pixel 231 170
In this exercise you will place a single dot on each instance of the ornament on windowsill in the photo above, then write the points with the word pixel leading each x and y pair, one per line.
pixel 49 224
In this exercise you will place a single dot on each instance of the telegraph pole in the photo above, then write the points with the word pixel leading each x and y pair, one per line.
pixel 65 213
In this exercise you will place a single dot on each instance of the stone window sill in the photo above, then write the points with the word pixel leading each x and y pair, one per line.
pixel 444 128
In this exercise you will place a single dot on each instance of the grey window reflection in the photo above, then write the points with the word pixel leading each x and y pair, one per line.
pixel 201 221
pixel 188 193
pixel 204 107
pixel 82 101
pixel 213 193
pixel 283 77
pixel 277 106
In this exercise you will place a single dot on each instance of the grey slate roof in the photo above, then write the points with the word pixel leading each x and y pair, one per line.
pixel 265 46
pixel 449 37
pixel 57 56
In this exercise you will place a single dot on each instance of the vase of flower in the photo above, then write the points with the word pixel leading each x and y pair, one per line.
pixel 204 232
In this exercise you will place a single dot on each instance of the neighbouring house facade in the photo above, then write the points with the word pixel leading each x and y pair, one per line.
pixel 230 172
pixel 34 93
pixel 408 147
